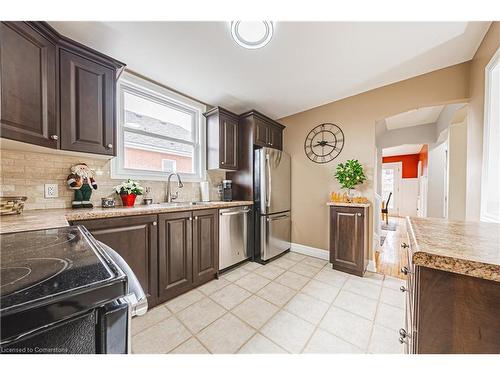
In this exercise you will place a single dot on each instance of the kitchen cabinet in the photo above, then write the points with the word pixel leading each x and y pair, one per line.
pixel 349 238
pixel 28 84
pixel 448 313
pixel 87 105
pixel 205 245
pixel 222 139
pixel 266 132
pixel 175 254
pixel 188 251
pixel 56 92
pixel 136 240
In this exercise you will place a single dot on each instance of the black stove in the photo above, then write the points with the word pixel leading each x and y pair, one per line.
pixel 47 276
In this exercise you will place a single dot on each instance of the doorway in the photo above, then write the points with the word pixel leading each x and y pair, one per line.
pixel 391 181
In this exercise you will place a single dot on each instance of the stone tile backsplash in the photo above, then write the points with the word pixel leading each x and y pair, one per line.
pixel 25 173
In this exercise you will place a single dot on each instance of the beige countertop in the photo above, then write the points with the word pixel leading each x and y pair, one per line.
pixel 467 248
pixel 46 219
pixel 342 204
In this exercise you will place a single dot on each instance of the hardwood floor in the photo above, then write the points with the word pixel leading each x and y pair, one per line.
pixel 391 257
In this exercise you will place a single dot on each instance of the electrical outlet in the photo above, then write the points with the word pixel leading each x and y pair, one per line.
pixel 51 191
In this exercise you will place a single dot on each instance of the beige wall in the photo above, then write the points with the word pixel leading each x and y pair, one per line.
pixel 457 174
pixel 485 52
pixel 356 115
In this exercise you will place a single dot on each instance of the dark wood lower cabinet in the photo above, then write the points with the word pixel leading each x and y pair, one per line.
pixel 135 239
pixel 175 254
pixel 349 239
pixel 205 245
pixel 169 253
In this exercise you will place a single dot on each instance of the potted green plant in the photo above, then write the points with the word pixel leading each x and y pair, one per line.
pixel 350 174
pixel 128 191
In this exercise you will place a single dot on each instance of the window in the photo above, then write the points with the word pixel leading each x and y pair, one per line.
pixel 490 187
pixel 159 132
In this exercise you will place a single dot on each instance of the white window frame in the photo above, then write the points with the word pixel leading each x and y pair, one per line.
pixel 485 216
pixel 141 87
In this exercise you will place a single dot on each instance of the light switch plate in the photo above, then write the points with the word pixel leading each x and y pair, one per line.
pixel 51 191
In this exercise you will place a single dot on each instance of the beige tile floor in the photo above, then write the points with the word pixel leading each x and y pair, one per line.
pixel 295 304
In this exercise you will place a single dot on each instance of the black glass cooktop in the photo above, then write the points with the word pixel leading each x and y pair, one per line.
pixel 42 264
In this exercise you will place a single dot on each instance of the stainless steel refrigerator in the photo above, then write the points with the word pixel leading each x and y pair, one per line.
pixel 272 170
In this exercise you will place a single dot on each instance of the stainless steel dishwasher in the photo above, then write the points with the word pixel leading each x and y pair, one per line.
pixel 233 236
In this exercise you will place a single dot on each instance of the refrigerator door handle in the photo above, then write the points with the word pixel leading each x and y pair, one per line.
pixel 268 187
pixel 281 217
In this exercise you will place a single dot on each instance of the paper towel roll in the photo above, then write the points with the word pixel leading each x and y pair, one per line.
pixel 205 192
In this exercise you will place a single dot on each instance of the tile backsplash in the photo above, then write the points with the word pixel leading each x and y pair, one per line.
pixel 25 173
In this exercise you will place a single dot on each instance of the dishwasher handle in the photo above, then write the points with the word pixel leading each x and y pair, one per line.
pixel 230 213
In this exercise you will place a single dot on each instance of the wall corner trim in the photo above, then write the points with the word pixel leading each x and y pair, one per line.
pixel 311 251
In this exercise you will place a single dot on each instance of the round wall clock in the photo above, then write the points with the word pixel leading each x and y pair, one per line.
pixel 324 143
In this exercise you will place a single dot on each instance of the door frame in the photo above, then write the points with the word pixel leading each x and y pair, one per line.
pixel 398 167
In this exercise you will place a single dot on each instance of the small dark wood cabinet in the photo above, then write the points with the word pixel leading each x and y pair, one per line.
pixel 349 239
pixel 136 240
pixel 56 92
pixel 87 105
pixel 222 139
pixel 266 132
pixel 28 84
pixel 175 254
pixel 205 245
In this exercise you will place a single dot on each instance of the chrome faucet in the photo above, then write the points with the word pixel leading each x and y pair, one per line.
pixel 170 196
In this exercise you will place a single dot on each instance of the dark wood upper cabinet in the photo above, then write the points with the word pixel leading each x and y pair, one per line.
pixel 135 239
pixel 56 92
pixel 266 132
pixel 28 84
pixel 222 139
pixel 205 245
pixel 175 254
pixel 349 239
pixel 87 105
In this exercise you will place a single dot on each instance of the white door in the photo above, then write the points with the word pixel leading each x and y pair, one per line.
pixel 391 180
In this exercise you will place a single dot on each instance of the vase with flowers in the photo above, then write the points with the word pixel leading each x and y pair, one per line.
pixel 128 191
pixel 350 174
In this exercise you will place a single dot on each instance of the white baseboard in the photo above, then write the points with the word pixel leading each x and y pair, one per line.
pixel 322 254
pixel 311 251
pixel 371 266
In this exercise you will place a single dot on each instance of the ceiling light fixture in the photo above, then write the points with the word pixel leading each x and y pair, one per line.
pixel 252 34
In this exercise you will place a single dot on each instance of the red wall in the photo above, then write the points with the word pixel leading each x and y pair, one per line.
pixel 424 157
pixel 410 164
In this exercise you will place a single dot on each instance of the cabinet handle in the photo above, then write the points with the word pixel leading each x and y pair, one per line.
pixel 196 217
pixel 405 271
pixel 54 137
pixel 110 146
pixel 359 214
pixel 403 289
pixel 404 246
pixel 154 223
pixel 222 162
pixel 190 219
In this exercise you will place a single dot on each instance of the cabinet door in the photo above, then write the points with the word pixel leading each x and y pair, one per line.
pixel 347 239
pixel 28 85
pixel 175 263
pixel 87 105
pixel 261 132
pixel 205 245
pixel 135 239
pixel 275 138
pixel 228 142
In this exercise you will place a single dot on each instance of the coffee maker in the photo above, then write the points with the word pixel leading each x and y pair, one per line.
pixel 227 190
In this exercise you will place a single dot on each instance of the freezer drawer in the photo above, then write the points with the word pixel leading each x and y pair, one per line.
pixel 275 234
pixel 233 236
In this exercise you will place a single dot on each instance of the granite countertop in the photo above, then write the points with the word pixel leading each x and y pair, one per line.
pixel 467 248
pixel 343 204
pixel 54 218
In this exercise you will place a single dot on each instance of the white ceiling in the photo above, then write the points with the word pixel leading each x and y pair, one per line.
pixel 401 150
pixel 420 116
pixel 305 65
